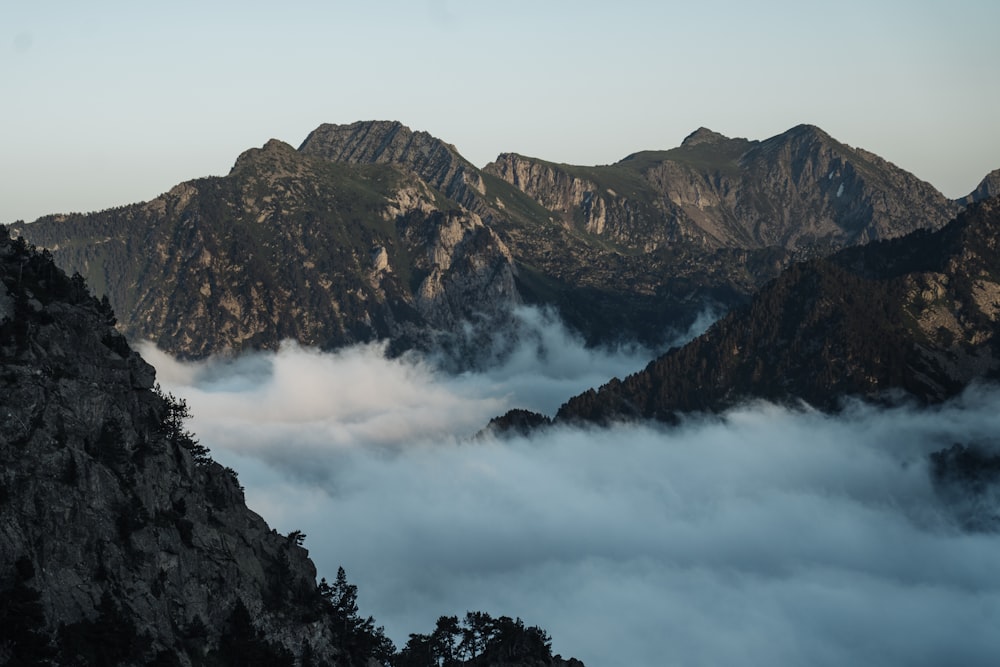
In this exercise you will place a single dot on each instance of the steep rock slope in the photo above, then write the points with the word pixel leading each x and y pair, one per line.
pixel 796 190
pixel 110 514
pixel 123 543
pixel 391 142
pixel 988 187
pixel 917 315
pixel 631 249
pixel 288 246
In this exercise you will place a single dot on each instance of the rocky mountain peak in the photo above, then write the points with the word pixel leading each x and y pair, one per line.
pixel 264 251
pixel 988 187
pixel 799 138
pixel 703 135
pixel 925 326
pixel 274 153
pixel 365 141
pixel 807 130
pixel 391 142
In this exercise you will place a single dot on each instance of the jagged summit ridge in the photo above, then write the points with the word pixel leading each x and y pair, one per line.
pixel 917 315
pixel 797 190
pixel 352 236
pixel 290 245
pixel 391 142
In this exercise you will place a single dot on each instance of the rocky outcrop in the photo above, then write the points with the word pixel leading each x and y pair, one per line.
pixel 988 187
pixel 123 543
pixel 798 190
pixel 391 142
pixel 580 198
pixel 133 545
pixel 916 316
pixel 289 246
pixel 551 185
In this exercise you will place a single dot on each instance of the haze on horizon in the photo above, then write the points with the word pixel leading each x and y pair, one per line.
pixel 111 103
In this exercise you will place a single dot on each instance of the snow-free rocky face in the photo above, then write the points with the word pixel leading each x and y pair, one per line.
pixel 371 230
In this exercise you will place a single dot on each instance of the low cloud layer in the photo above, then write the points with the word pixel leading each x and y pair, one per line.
pixel 767 536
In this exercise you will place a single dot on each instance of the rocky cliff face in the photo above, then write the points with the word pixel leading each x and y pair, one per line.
pixel 371 230
pixel 633 248
pixel 391 142
pixel 581 200
pixel 134 545
pixel 988 187
pixel 289 246
pixel 798 190
pixel 123 543
pixel 916 315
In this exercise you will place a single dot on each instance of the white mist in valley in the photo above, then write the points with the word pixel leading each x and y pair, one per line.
pixel 766 536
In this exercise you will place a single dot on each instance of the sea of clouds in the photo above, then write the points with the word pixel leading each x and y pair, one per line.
pixel 767 535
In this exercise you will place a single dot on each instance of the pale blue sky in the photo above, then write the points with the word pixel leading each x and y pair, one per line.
pixel 107 103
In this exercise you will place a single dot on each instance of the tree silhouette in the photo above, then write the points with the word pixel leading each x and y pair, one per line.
pixel 172 425
pixel 358 636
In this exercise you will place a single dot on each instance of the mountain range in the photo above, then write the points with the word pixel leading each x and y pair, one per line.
pixel 912 318
pixel 125 543
pixel 373 231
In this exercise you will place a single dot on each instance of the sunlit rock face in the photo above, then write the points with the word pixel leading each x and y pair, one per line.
pixel 796 190
pixel 289 246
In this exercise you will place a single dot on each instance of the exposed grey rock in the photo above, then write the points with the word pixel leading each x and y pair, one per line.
pixel 916 316
pixel 797 190
pixel 103 502
pixel 121 541
pixel 391 142
pixel 988 187
pixel 283 247
pixel 703 135
pixel 339 242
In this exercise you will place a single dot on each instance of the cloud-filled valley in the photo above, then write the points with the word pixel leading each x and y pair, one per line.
pixel 766 536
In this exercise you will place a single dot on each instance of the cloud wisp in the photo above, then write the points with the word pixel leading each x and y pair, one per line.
pixel 764 536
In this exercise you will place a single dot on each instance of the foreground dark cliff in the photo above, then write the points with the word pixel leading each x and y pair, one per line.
pixel 138 547
pixel 371 230
pixel 122 541
pixel 916 316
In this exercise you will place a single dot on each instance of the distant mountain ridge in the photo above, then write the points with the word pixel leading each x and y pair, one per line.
pixel 917 315
pixel 371 230
pixel 796 190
